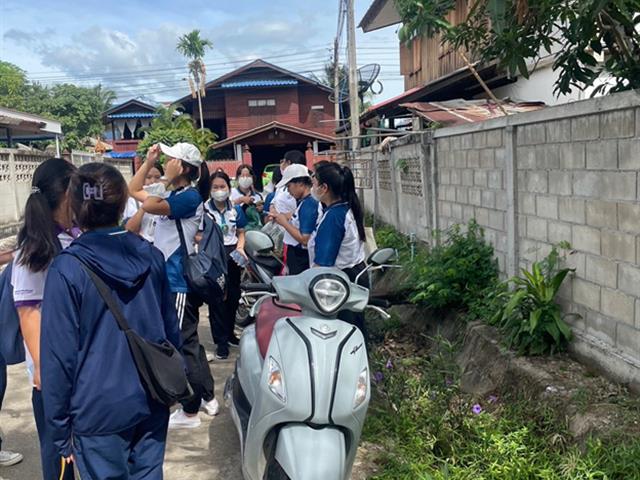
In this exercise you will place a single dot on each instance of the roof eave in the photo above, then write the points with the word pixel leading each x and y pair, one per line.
pixel 374 18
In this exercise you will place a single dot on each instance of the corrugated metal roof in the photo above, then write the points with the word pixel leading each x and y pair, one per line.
pixel 133 115
pixel 122 154
pixel 259 83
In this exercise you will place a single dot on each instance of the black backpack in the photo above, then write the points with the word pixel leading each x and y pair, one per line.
pixel 206 269
pixel 11 342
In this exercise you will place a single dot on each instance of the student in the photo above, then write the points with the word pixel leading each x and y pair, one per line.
pixel 245 193
pixel 141 222
pixel 47 229
pixel 302 224
pixel 339 239
pixel 184 168
pixel 99 413
pixel 233 221
pixel 283 202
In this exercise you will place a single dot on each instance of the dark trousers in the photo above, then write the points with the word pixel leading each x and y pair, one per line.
pixel 222 313
pixel 134 454
pixel 51 466
pixel 297 260
pixel 3 385
pixel 356 318
pixel 198 371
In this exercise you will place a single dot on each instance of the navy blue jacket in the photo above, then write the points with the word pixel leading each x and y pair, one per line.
pixel 90 384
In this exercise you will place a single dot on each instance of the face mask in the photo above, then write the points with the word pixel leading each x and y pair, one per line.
pixel 245 182
pixel 314 194
pixel 220 195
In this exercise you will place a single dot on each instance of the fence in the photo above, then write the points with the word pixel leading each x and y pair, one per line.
pixel 532 180
pixel 16 172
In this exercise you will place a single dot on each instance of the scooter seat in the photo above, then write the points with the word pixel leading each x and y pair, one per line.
pixel 270 263
pixel 270 312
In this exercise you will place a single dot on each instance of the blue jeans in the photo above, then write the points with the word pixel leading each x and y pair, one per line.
pixel 3 385
pixel 134 454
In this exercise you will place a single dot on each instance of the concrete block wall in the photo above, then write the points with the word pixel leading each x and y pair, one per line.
pixel 16 171
pixel 471 184
pixel 570 172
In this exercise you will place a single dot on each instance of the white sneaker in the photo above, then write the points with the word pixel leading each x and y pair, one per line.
pixel 9 458
pixel 211 408
pixel 179 419
pixel 210 357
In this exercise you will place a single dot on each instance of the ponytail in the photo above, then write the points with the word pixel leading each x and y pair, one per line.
pixel 350 196
pixel 204 182
pixel 38 239
pixel 339 180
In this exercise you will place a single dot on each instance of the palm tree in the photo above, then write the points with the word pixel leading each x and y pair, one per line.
pixel 193 47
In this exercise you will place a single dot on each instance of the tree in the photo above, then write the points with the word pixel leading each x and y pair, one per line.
pixel 514 32
pixel 171 127
pixel 13 85
pixel 193 47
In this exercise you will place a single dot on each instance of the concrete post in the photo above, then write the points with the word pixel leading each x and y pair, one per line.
pixel 428 184
pixel 511 184
pixel 14 182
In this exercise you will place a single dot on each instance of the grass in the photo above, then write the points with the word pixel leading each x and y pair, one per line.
pixel 429 430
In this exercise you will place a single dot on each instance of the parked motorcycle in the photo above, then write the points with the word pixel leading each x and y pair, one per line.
pixel 300 391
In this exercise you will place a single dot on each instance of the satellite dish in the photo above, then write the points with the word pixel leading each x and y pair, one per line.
pixel 367 78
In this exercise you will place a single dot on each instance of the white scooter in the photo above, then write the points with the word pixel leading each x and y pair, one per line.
pixel 300 391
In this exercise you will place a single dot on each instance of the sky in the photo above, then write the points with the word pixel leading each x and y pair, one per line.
pixel 129 46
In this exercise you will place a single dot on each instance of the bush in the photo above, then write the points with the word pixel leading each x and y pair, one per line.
pixel 456 272
pixel 531 319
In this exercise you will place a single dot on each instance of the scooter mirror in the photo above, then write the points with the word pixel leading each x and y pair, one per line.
pixel 258 243
pixel 381 256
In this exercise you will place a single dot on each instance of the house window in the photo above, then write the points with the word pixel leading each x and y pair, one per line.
pixel 262 102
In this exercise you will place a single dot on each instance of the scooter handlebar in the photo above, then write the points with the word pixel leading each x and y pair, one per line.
pixel 256 287
pixel 380 303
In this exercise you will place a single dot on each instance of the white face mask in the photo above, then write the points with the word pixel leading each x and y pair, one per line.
pixel 220 195
pixel 314 194
pixel 245 182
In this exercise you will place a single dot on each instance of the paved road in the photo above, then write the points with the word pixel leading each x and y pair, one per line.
pixel 211 452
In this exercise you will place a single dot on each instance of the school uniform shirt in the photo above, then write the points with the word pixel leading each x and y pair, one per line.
pixel 186 206
pixel 28 286
pixel 336 242
pixel 236 194
pixel 90 384
pixel 267 202
pixel 230 220
pixel 304 219
pixel 148 224
pixel 283 201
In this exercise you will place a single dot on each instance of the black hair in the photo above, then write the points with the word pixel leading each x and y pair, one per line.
pixel 37 239
pixel 158 167
pixel 276 177
pixel 339 180
pixel 243 167
pixel 221 174
pixel 295 157
pixel 201 175
pixel 304 180
pixel 99 195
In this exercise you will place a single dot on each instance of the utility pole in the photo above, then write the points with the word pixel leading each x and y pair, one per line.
pixel 336 79
pixel 354 99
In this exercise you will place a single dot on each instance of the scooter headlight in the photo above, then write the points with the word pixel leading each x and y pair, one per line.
pixel 361 388
pixel 329 293
pixel 276 380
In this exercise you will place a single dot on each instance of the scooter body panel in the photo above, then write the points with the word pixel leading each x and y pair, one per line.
pixel 321 361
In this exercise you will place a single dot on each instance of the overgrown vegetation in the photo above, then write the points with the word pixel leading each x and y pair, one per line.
pixel 428 429
pixel 530 318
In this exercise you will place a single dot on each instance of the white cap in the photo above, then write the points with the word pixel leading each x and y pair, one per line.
pixel 293 171
pixel 183 151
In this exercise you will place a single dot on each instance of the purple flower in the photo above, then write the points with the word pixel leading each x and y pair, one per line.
pixel 477 409
pixel 389 365
pixel 448 382
pixel 378 377
pixel 493 399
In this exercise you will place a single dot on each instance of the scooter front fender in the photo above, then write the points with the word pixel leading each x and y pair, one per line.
pixel 309 454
